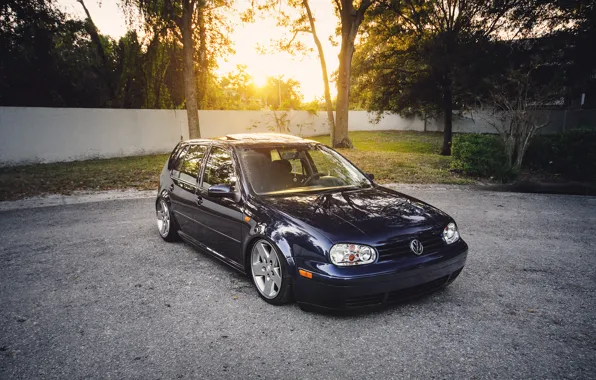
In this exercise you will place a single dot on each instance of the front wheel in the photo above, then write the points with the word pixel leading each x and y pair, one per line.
pixel 166 224
pixel 269 273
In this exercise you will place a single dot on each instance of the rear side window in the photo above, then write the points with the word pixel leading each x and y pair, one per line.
pixel 174 156
pixel 219 169
pixel 178 161
pixel 190 164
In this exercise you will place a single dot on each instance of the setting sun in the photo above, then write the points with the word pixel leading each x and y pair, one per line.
pixel 249 40
pixel 259 79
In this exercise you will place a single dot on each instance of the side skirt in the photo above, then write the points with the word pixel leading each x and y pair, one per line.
pixel 202 247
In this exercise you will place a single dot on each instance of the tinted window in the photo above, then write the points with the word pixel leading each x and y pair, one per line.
pixel 191 163
pixel 219 168
pixel 302 168
pixel 174 156
pixel 179 161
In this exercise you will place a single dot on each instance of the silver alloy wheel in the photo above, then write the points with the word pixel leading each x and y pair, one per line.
pixel 266 269
pixel 163 218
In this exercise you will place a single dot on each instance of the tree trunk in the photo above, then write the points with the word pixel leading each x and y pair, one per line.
pixel 340 138
pixel 92 30
pixel 448 121
pixel 190 83
pixel 203 63
pixel 350 21
pixel 328 103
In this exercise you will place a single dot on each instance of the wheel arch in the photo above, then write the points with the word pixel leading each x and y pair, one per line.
pixel 283 248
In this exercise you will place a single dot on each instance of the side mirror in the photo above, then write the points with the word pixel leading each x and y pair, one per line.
pixel 370 176
pixel 220 191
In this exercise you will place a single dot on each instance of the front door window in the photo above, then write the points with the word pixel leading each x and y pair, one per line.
pixel 219 169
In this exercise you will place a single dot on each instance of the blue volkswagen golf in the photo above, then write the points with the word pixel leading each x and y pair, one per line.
pixel 304 223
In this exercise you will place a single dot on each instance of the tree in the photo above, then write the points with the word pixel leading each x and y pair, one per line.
pixel 281 94
pixel 239 91
pixel 47 59
pixel 434 52
pixel 302 21
pixel 520 95
pixel 328 103
pixel 181 18
pixel 350 18
pixel 99 45
pixel 200 27
pixel 517 113
pixel 578 36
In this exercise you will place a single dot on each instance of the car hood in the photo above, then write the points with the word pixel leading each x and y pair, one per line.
pixel 372 215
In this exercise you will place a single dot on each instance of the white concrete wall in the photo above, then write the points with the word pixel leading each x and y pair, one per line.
pixel 30 135
pixel 59 134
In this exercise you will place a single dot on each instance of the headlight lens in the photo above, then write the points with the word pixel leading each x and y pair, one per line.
pixel 450 233
pixel 352 254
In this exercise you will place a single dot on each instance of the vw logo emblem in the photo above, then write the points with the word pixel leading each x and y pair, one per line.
pixel 416 247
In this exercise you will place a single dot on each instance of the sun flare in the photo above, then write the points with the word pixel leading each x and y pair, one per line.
pixel 259 79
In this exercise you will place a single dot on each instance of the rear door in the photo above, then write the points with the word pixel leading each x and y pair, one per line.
pixel 183 192
pixel 221 216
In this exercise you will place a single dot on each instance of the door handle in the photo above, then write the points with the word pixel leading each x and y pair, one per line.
pixel 199 200
pixel 171 187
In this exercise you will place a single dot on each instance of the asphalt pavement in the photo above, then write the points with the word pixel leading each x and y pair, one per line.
pixel 90 290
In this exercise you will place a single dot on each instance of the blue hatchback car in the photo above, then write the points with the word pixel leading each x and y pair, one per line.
pixel 304 223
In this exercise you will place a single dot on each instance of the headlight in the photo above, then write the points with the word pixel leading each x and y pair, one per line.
pixel 352 254
pixel 450 233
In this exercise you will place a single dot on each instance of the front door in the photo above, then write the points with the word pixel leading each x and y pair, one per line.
pixel 221 216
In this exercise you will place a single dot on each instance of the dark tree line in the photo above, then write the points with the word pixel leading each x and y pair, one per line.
pixel 434 57
pixel 49 60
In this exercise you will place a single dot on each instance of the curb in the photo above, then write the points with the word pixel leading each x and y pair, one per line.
pixel 75 198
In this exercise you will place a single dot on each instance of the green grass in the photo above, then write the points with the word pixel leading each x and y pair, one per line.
pixel 400 156
pixel 392 156
pixel 140 172
pixel 394 141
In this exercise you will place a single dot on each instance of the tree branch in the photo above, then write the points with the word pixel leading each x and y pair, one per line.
pixel 338 5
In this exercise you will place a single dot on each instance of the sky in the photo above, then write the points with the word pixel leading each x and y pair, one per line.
pixel 110 20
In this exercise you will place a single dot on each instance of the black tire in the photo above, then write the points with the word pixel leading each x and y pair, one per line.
pixel 165 216
pixel 267 272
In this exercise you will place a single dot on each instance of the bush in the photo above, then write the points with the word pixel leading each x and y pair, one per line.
pixel 481 156
pixel 571 154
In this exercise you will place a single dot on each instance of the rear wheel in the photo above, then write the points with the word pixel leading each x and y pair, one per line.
pixel 166 224
pixel 269 273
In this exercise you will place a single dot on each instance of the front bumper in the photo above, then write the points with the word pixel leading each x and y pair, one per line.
pixel 373 289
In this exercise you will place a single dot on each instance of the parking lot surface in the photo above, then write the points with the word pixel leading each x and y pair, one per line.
pixel 90 290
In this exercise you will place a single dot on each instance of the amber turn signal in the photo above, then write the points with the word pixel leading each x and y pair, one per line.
pixel 304 273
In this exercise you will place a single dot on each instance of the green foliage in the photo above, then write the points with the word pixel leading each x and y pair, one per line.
pixel 481 156
pixel 49 60
pixel 240 92
pixel 571 155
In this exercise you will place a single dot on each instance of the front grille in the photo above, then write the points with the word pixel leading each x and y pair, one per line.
pixel 397 295
pixel 415 291
pixel 375 299
pixel 432 242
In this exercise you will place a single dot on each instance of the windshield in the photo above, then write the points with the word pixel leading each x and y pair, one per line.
pixel 295 169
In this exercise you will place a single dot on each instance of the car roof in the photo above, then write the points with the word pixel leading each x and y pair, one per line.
pixel 257 139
